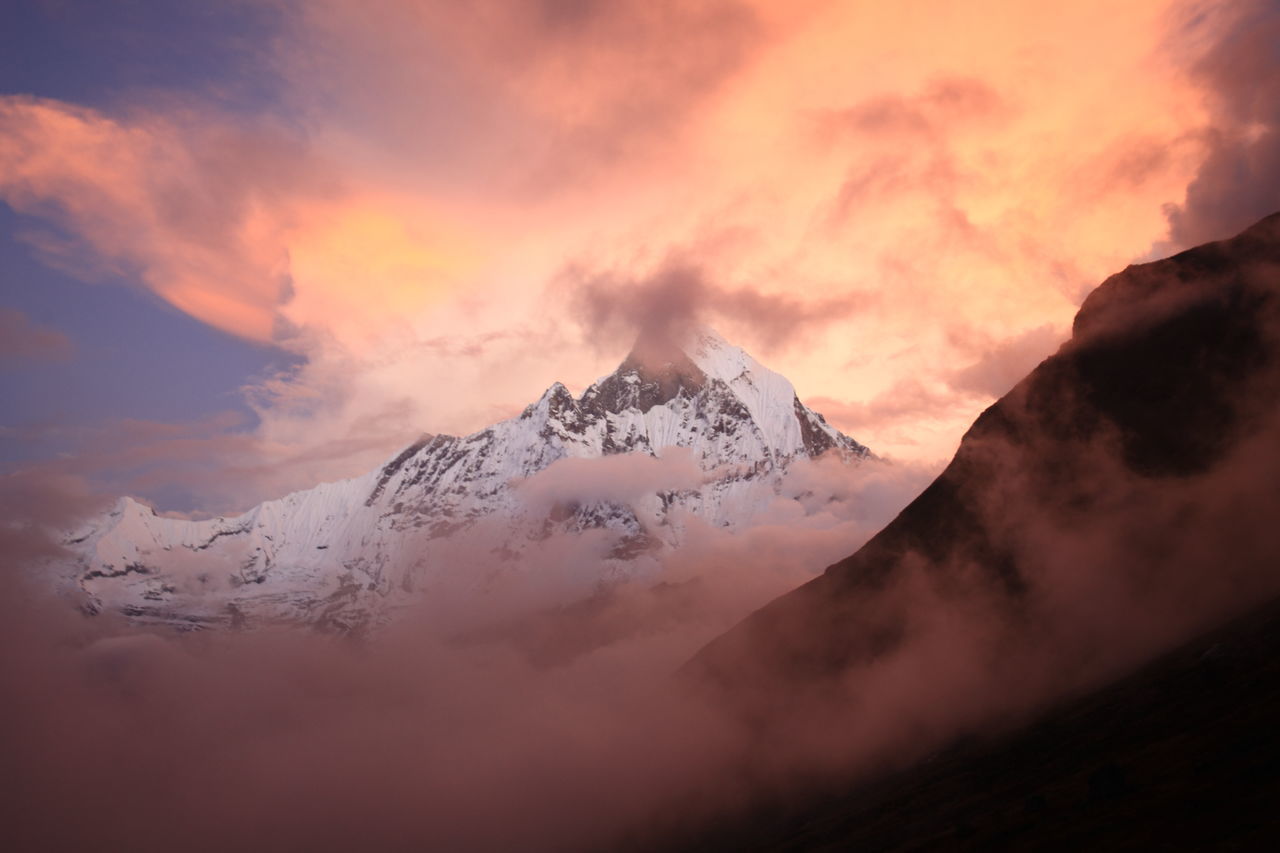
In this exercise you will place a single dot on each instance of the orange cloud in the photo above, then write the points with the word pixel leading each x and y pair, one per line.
pixel 977 166
pixel 196 212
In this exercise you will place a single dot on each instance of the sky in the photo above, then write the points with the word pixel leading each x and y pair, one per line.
pixel 249 246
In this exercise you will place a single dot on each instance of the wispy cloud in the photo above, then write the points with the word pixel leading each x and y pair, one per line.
pixel 22 339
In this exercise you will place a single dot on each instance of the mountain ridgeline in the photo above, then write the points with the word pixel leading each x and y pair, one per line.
pixel 342 554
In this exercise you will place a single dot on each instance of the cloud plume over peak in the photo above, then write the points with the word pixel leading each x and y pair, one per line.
pixel 678 296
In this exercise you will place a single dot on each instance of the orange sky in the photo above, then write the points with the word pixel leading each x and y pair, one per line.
pixel 940 183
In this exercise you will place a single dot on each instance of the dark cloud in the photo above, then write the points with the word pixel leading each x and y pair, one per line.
pixel 620 478
pixel 23 340
pixel 1239 181
pixel 612 306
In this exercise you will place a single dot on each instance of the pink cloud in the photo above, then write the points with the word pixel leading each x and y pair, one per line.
pixel 21 339
pixel 194 210
pixel 1008 361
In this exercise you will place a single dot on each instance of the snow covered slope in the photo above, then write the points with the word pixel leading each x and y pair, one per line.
pixel 699 431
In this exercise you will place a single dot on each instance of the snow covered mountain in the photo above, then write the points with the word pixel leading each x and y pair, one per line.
pixel 677 435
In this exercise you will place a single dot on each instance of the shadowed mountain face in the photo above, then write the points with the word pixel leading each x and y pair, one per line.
pixel 1182 755
pixel 1120 497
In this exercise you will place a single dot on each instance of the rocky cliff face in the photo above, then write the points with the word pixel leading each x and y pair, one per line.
pixel 341 553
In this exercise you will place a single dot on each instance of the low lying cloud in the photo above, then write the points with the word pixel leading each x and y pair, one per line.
pixel 481 719
pixel 481 164
pixel 559 728
pixel 620 478
pixel 221 464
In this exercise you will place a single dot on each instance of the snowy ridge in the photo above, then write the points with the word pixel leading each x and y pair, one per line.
pixel 340 554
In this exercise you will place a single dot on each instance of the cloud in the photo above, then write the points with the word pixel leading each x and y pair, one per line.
pixel 216 465
pixel 534 97
pixel 620 478
pixel 560 727
pixel 477 721
pixel 912 403
pixel 194 210
pixel 944 102
pixel 907 401
pixel 1004 364
pixel 914 137
pixel 667 303
pixel 1239 180
pixel 834 184
pixel 22 340
pixel 1110 507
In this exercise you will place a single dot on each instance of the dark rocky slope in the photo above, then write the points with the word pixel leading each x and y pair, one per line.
pixel 1183 755
pixel 1124 497
pixel 1171 376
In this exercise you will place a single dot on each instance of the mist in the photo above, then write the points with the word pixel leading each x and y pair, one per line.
pixel 526 706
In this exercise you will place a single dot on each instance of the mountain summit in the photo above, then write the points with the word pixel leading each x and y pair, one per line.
pixel 720 431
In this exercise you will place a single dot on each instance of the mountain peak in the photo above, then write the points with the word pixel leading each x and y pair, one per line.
pixel 387 532
pixel 690 350
pixel 670 345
